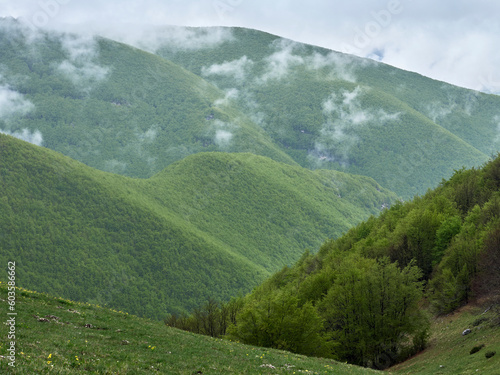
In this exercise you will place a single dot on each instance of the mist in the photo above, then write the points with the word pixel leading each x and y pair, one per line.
pixel 26 135
pixel 81 66
pixel 236 69
pixel 12 102
pixel 345 116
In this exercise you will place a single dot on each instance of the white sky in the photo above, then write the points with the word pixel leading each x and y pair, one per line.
pixel 456 41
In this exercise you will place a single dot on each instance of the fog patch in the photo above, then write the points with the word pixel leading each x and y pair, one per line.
pixel 81 66
pixel 13 102
pixel 344 116
pixel 26 135
pixel 231 95
pixel 223 133
pixel 341 67
pixel 237 69
pixel 280 63
pixel 438 111
pixel 173 38
pixel 149 135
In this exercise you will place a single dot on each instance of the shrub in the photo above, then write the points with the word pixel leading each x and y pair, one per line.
pixel 489 354
pixel 476 348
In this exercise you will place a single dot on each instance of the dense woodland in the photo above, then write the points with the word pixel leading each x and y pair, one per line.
pixel 365 297
pixel 132 112
pixel 214 224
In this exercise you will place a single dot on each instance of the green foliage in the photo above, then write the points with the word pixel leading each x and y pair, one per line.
pixel 277 320
pixel 404 130
pixel 476 348
pixel 370 308
pixel 489 354
pixel 213 225
pixel 367 285
pixel 131 112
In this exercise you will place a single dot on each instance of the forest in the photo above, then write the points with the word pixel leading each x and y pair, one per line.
pixel 367 297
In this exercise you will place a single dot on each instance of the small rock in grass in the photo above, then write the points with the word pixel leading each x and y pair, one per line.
pixel 125 342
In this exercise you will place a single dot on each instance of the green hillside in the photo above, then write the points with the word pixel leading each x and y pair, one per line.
pixel 123 110
pixel 366 297
pixel 79 338
pixel 330 110
pixel 114 107
pixel 211 225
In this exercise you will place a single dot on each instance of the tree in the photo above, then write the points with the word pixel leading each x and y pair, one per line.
pixel 275 319
pixel 372 309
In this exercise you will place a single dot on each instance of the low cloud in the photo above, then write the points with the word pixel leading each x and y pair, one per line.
pixel 280 63
pixel 13 103
pixel 340 66
pixel 223 133
pixel 173 38
pixel 438 111
pixel 81 67
pixel 231 95
pixel 345 116
pixel 26 135
pixel 288 55
pixel 237 69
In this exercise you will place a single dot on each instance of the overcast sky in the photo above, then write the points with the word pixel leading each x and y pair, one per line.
pixel 456 41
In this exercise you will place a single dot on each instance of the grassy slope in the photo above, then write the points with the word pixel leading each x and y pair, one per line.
pixel 167 243
pixel 449 351
pixel 460 125
pixel 153 347
pixel 66 346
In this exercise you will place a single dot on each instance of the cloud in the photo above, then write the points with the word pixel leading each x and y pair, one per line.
pixel 280 63
pixel 231 95
pixel 237 69
pixel 223 133
pixel 452 40
pixel 149 135
pixel 173 38
pixel 80 67
pixel 12 102
pixel 341 66
pixel 26 135
pixel 223 137
pixel 345 115
pixel 437 111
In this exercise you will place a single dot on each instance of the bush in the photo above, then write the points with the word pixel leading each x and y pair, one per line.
pixel 476 348
pixel 489 354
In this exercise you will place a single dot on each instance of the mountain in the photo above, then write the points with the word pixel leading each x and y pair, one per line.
pixel 210 225
pixel 114 107
pixel 331 110
pixel 124 110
